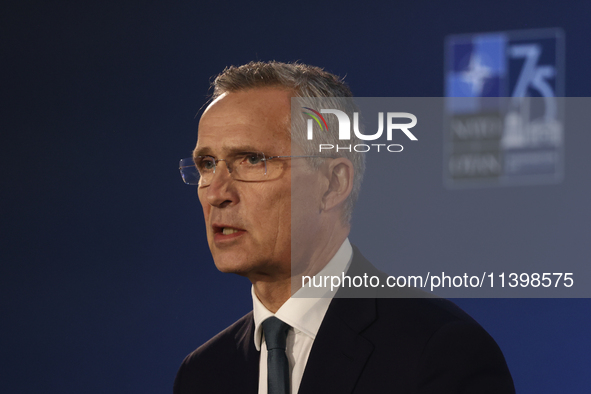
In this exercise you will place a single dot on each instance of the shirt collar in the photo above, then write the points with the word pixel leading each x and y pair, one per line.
pixel 305 310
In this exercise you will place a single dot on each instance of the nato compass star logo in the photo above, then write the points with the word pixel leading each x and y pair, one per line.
pixel 476 74
pixel 477 67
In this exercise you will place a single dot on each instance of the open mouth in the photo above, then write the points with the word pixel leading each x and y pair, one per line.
pixel 229 230
pixel 224 232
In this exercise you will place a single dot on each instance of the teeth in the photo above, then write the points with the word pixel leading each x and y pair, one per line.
pixel 228 231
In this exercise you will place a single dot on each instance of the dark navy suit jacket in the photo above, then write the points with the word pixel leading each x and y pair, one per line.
pixel 364 345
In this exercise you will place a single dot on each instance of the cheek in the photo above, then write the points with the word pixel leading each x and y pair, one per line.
pixel 274 211
pixel 283 212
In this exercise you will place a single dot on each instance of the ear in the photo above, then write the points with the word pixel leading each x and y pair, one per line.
pixel 340 183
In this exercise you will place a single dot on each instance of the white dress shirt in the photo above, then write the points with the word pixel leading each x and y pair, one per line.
pixel 304 315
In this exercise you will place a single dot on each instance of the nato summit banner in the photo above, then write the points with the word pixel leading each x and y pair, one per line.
pixel 511 141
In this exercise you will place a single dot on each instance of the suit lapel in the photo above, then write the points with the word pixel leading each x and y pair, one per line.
pixel 246 378
pixel 340 352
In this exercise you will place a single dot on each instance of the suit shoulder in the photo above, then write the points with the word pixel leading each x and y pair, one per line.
pixel 223 342
pixel 230 350
pixel 443 344
pixel 422 318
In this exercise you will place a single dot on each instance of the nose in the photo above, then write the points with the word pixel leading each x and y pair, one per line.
pixel 221 191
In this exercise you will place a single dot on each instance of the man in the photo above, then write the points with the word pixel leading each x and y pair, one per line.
pixel 261 227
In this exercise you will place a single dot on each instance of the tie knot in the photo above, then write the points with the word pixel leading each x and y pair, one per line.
pixel 275 333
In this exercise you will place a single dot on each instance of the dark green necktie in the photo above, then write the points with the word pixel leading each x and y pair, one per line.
pixel 277 366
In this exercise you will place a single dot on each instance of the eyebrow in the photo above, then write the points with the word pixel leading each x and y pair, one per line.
pixel 228 151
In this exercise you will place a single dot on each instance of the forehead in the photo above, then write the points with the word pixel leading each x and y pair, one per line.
pixel 255 119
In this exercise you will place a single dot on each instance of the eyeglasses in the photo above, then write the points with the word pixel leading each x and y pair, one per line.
pixel 246 167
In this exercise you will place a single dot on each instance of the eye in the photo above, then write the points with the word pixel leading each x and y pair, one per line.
pixel 205 163
pixel 253 158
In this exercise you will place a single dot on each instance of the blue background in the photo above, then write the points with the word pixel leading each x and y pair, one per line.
pixel 106 278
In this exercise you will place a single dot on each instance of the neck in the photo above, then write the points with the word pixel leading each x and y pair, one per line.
pixel 274 293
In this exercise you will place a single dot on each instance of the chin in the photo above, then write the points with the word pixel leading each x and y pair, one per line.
pixel 233 270
pixel 232 265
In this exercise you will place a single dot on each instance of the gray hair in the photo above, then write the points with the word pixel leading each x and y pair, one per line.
pixel 319 89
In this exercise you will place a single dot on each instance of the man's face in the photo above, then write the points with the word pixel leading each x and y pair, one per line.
pixel 248 223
